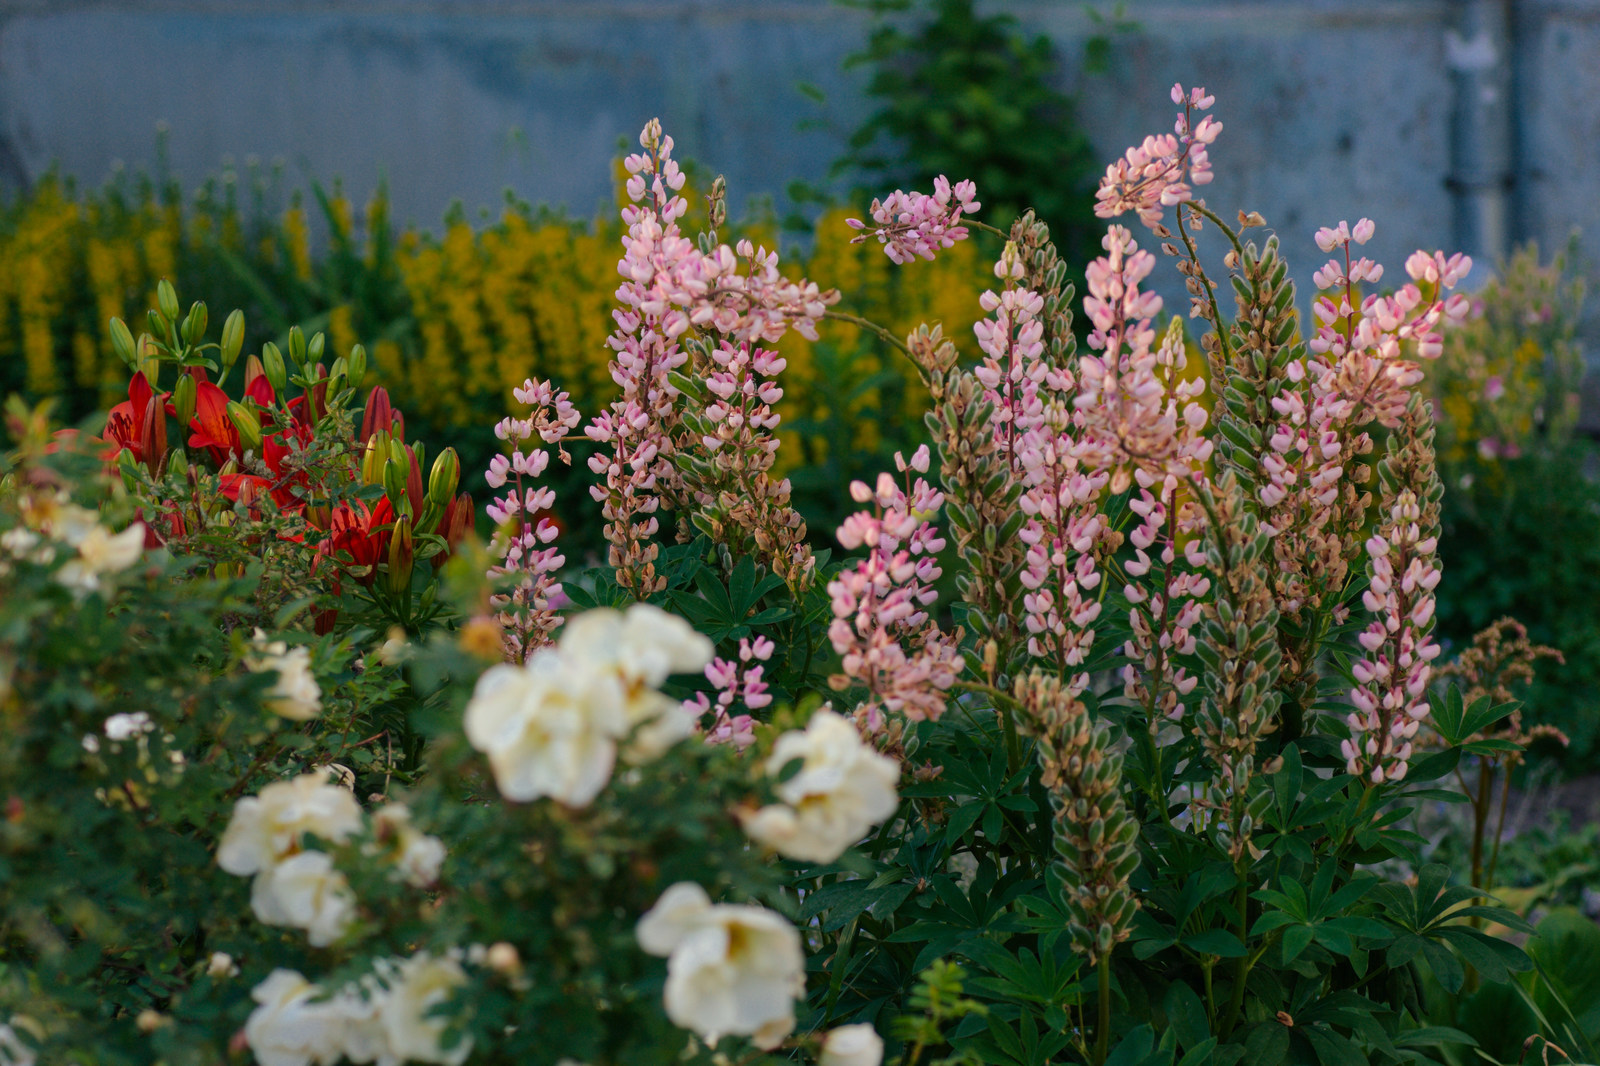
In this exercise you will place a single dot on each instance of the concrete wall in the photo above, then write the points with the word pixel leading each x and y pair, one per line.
pixel 1461 124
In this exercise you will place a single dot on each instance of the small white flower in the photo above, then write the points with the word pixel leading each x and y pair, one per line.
pixel 416 986
pixel 851 1045
pixel 731 969
pixel 288 1029
pixel 19 540
pixel 296 696
pixel 843 788
pixel 418 856
pixel 101 552
pixel 221 964
pixel 13 1051
pixel 267 828
pixel 128 726
pixel 305 891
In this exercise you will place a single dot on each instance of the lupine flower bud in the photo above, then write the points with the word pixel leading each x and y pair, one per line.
pixel 444 477
pixel 272 364
pixel 247 423
pixel 183 398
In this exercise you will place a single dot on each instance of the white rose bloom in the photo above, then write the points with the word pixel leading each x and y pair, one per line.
pixel 418 856
pixel 287 1029
pixel 730 969
pixel 101 552
pixel 306 892
pixel 641 647
pixel 360 1009
pixel 267 828
pixel 416 986
pixel 296 696
pixel 13 1052
pixel 851 1045
pixel 645 644
pixel 843 788
pixel 128 726
pixel 547 728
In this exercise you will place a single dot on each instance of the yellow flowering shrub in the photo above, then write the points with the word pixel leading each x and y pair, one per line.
pixel 1509 376
pixel 453 322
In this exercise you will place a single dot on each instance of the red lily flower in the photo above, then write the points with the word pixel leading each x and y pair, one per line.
pixel 362 534
pixel 137 425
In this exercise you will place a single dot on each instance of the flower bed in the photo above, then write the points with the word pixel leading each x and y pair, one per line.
pixel 295 768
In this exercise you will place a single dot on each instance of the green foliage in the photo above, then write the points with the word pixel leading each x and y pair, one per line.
pixel 1521 500
pixel 968 95
pixel 1518 539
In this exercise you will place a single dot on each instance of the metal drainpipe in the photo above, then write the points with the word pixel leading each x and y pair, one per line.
pixel 1479 52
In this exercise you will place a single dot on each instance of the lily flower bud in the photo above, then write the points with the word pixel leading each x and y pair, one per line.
pixel 357 366
pixel 167 300
pixel 232 338
pixel 444 477
pixel 122 342
pixel 184 395
pixel 402 556
pixel 297 347
pixel 253 370
pixel 153 434
pixel 194 324
pixel 378 414
pixel 248 424
pixel 273 365
pixel 372 462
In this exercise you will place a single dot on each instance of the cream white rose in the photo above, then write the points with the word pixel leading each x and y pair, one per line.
pixel 101 552
pixel 13 1050
pixel 417 856
pixel 296 696
pixel 267 828
pixel 548 729
pixel 842 789
pixel 851 1045
pixel 416 986
pixel 644 644
pixel 641 648
pixel 305 891
pixel 731 969
pixel 288 1029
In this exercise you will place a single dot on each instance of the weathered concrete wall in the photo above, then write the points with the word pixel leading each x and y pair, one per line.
pixel 1333 109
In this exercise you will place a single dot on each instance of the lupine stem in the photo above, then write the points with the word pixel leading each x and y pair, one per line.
pixel 872 327
pixel 1102 1029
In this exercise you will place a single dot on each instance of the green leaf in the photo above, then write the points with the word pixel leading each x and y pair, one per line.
pixel 1296 938
pixel 1219 942
pixel 1186 1015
